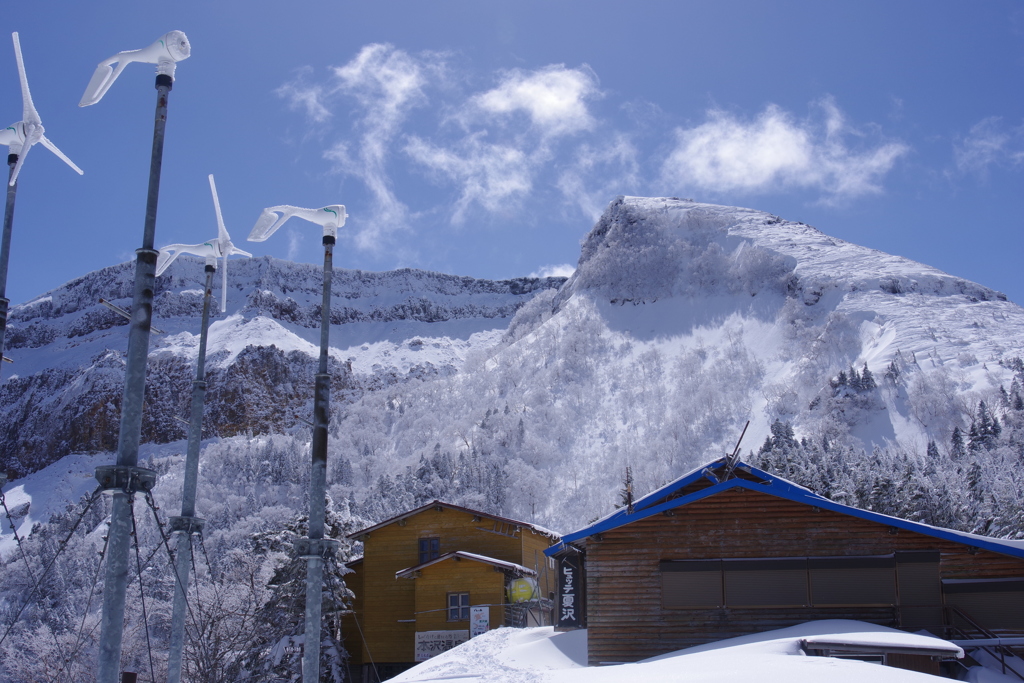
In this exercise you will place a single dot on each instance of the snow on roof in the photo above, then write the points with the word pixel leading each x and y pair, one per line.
pixel 510 566
pixel 773 485
pixel 543 656
pixel 873 641
pixel 437 503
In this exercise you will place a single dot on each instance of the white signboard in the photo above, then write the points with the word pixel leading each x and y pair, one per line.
pixel 432 643
pixel 479 621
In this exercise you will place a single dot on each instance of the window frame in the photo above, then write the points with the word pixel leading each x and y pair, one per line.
pixel 429 548
pixel 461 609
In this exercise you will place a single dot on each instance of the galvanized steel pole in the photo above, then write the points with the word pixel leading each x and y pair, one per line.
pixel 125 474
pixel 188 524
pixel 317 548
pixel 5 249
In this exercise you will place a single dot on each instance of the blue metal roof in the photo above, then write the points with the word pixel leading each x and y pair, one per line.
pixel 659 501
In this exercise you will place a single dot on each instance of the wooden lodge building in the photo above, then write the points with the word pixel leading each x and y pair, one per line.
pixel 426 572
pixel 730 550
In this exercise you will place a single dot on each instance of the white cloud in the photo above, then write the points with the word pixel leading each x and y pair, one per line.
pixel 599 173
pixel 774 152
pixel 560 270
pixel 989 143
pixel 495 163
pixel 386 83
pixel 490 175
pixel 294 243
pixel 554 98
pixel 306 97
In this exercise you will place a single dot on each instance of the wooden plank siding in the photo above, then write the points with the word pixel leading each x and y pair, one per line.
pixel 350 630
pixel 626 620
pixel 484 583
pixel 389 604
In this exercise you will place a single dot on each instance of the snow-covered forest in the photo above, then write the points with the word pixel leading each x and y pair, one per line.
pixel 873 380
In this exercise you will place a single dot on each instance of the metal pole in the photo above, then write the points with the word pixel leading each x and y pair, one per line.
pixel 187 524
pixel 316 548
pixel 115 582
pixel 5 248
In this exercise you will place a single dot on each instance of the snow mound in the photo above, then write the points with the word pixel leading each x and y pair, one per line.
pixel 539 655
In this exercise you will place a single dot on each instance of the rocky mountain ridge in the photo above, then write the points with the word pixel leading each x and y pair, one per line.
pixel 69 349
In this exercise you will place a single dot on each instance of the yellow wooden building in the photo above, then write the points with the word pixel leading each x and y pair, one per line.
pixel 431 577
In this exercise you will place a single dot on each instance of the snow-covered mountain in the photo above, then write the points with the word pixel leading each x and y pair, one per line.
pixel 682 321
pixel 69 349
pixel 877 381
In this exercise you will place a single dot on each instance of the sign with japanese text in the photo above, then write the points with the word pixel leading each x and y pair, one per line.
pixel 569 607
pixel 432 643
pixel 479 621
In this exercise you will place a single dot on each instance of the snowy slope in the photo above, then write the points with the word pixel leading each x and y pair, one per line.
pixel 801 304
pixel 530 398
pixel 542 656
pixel 65 391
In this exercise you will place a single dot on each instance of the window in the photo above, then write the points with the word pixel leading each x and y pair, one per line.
pixel 430 548
pixel 458 607
pixel 853 580
pixel 691 583
pixel 766 582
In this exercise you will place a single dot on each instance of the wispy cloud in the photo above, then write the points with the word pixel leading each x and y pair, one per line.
pixel 990 143
pixel 599 172
pixel 294 243
pixel 540 135
pixel 775 152
pixel 305 96
pixel 508 136
pixel 386 85
pixel 490 175
pixel 560 270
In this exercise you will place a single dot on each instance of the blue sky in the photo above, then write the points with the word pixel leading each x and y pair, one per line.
pixel 484 138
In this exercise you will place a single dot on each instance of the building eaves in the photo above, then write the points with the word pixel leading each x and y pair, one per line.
pixel 437 503
pixel 781 488
pixel 517 569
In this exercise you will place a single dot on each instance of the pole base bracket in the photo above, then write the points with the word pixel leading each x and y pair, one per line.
pixel 189 525
pixel 323 548
pixel 125 478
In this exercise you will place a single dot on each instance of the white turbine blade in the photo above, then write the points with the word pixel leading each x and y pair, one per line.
pixel 224 285
pixel 222 232
pixel 166 257
pixel 170 48
pixel 53 148
pixel 239 252
pixel 269 222
pixel 173 251
pixel 104 76
pixel 30 115
pixel 21 160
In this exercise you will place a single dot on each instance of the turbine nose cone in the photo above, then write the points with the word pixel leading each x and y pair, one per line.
pixel 177 45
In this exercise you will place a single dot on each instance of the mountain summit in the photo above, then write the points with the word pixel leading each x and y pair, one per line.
pixel 530 397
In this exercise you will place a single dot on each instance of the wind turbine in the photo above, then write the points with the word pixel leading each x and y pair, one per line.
pixel 124 477
pixel 165 52
pixel 314 548
pixel 19 138
pixel 218 248
pixel 188 524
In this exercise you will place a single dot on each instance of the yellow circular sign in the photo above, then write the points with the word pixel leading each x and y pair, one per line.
pixel 522 590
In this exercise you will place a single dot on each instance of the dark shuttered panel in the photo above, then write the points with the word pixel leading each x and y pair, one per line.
pixel 852 580
pixel 920 589
pixel 691 584
pixel 774 582
pixel 996 604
